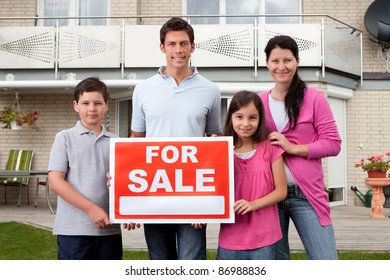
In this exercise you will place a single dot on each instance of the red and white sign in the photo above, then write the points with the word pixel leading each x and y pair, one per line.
pixel 172 180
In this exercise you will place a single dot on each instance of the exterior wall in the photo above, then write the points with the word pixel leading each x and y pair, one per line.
pixel 368 123
pixel 351 12
pixel 56 113
pixel 162 7
pixel 17 8
pixel 124 8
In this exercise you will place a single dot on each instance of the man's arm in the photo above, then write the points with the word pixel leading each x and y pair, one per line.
pixel 137 134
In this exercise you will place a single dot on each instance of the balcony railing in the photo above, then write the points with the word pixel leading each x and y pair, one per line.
pixel 321 45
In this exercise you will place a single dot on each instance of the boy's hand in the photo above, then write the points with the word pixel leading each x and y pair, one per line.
pixel 108 176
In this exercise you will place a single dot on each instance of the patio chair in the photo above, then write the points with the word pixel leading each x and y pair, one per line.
pixel 18 160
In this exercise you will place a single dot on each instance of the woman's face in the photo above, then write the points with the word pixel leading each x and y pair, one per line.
pixel 282 65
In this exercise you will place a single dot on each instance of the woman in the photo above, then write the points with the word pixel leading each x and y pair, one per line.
pixel 301 122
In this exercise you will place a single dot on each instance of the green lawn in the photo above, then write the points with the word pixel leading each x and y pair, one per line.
pixel 19 241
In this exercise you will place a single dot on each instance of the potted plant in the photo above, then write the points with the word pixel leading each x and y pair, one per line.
pixel 375 165
pixel 16 119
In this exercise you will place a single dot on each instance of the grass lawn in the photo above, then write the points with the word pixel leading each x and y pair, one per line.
pixel 20 241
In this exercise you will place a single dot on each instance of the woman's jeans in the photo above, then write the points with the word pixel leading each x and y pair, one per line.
pixel 163 239
pixel 319 241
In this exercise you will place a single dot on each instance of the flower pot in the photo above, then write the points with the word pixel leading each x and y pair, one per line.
pixel 14 125
pixel 376 174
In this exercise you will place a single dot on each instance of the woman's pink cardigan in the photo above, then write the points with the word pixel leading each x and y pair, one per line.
pixel 317 129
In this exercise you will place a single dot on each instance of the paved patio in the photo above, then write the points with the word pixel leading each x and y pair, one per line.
pixel 354 228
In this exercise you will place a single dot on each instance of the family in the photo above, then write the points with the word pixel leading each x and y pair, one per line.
pixel 279 136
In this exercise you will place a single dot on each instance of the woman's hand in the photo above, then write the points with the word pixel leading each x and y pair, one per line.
pixel 279 139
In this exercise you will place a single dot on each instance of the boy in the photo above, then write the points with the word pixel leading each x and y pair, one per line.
pixel 79 161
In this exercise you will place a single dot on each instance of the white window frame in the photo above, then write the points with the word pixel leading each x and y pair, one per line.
pixel 222 10
pixel 74 9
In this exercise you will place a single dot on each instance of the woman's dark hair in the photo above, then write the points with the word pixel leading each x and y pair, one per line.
pixel 176 24
pixel 239 100
pixel 88 85
pixel 296 92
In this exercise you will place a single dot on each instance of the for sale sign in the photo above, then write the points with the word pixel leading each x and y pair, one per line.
pixel 172 180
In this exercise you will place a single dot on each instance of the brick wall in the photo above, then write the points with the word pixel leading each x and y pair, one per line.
pixel 56 114
pixel 17 8
pixel 368 123
pixel 162 7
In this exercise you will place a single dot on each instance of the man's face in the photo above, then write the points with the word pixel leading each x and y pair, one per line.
pixel 177 48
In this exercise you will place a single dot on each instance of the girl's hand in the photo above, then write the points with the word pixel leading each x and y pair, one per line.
pixel 243 206
pixel 198 226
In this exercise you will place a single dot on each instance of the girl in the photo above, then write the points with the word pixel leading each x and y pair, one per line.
pixel 301 122
pixel 260 183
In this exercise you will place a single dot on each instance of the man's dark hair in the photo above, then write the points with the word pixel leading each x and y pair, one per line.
pixel 176 24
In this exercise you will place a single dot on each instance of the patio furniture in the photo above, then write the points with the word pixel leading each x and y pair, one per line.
pixel 19 161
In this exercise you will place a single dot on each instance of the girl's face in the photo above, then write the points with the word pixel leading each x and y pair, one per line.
pixel 245 121
pixel 91 108
pixel 282 65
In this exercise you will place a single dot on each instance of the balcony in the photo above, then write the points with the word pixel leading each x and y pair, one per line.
pixel 32 56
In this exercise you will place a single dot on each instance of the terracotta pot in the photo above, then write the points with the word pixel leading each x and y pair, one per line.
pixel 376 174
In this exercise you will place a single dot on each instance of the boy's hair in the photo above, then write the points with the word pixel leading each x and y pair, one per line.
pixel 176 24
pixel 239 100
pixel 88 85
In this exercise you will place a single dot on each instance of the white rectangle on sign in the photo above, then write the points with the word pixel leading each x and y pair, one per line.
pixel 184 205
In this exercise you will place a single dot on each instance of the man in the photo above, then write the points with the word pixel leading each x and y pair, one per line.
pixel 176 102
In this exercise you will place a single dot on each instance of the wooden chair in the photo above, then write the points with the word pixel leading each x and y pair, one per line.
pixel 18 160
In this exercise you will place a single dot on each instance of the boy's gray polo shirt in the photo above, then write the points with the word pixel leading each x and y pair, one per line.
pixel 85 160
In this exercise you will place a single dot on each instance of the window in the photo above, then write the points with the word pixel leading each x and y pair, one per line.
pixel 72 8
pixel 234 7
pixel 337 181
pixel 124 111
pixel 282 7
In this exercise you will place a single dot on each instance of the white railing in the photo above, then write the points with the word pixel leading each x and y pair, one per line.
pixel 137 46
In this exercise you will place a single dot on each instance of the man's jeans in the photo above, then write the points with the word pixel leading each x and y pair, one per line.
pixel 161 241
pixel 319 241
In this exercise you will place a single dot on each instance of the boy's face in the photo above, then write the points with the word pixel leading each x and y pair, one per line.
pixel 177 48
pixel 91 108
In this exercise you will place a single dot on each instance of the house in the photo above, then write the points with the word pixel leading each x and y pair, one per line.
pixel 47 46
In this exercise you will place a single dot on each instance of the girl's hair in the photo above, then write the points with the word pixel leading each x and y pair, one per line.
pixel 295 94
pixel 176 24
pixel 239 100
pixel 88 85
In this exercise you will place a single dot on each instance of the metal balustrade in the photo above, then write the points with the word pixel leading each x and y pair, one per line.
pixel 137 46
